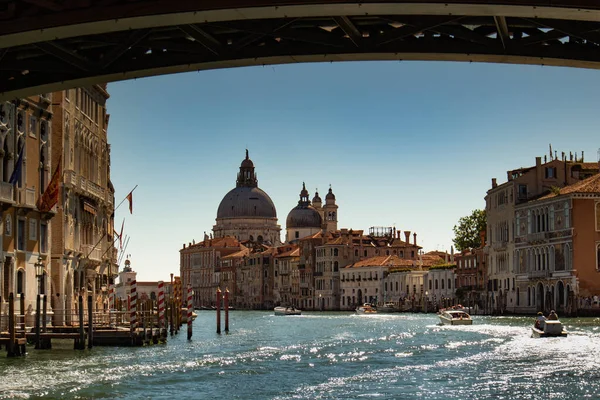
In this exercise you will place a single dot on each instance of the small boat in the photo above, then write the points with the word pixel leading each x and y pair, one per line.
pixel 388 307
pixel 287 311
pixel 455 317
pixel 552 328
pixel 366 308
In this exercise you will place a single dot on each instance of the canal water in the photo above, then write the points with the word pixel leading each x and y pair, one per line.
pixel 323 356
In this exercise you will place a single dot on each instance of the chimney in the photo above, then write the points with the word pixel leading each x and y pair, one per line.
pixel 394 234
pixel 570 156
pixel 184 245
pixel 563 156
pixel 581 155
pixel 494 184
pixel 545 159
pixel 415 238
pixel 452 254
pixel 407 237
pixel 538 161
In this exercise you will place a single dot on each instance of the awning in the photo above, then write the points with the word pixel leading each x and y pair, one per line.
pixel 89 207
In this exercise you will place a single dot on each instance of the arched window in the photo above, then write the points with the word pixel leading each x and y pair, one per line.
pixel 449 283
pixel 20 281
pixel 442 281
pixel 436 284
pixel 336 266
pixel 335 252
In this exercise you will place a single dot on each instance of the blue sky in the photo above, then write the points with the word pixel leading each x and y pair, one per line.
pixel 406 144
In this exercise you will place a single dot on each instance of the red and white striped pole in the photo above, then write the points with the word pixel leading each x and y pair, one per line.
pixel 189 311
pixel 133 309
pixel 161 305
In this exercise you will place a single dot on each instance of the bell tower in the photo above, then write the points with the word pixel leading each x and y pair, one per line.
pixel 330 212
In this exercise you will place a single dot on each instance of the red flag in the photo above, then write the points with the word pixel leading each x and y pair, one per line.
pixel 130 198
pixel 121 235
pixel 50 196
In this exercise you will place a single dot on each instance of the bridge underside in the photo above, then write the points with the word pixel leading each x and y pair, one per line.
pixel 187 42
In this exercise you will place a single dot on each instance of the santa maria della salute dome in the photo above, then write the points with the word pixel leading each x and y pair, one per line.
pixel 247 212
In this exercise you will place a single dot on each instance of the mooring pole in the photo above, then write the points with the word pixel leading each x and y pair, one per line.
pixel 189 311
pixel 226 307
pixel 37 321
pixel 219 310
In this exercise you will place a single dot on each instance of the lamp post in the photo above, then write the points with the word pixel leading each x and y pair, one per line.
pixel 426 300
pixel 320 302
pixel 39 272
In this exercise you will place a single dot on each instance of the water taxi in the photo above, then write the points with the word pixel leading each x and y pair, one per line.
pixel 287 311
pixel 551 328
pixel 455 317
pixel 388 307
pixel 366 308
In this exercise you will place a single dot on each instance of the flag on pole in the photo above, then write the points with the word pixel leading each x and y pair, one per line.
pixel 121 235
pixel 50 196
pixel 130 199
pixel 14 178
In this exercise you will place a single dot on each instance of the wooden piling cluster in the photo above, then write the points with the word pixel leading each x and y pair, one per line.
pixel 133 323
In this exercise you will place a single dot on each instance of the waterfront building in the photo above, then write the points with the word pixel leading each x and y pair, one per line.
pixel 255 278
pixel 471 275
pixel 226 272
pixel 441 285
pixel 84 258
pixel 145 290
pixel 25 172
pixel 362 281
pixel 557 248
pixel 247 212
pixel 286 262
pixel 523 185
pixel 199 264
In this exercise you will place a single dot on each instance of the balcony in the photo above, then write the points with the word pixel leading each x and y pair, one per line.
pixel 70 177
pixel 26 197
pixel 537 237
pixel 539 274
pixel 94 254
pixel 7 193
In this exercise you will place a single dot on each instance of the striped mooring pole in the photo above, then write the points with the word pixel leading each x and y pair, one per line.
pixel 161 305
pixel 133 309
pixel 189 311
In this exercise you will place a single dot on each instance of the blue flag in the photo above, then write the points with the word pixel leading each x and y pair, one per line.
pixel 14 178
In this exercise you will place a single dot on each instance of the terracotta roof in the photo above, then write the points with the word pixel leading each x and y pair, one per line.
pixel 386 261
pixel 240 254
pixel 589 185
pixel 430 260
pixel 291 253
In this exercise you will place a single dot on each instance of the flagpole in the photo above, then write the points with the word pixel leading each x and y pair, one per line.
pixel 125 248
pixel 125 198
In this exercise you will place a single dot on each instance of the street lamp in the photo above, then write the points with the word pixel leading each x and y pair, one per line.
pixel 426 300
pixel 39 272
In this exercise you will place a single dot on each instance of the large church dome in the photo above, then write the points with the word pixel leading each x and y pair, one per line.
pixel 303 215
pixel 246 202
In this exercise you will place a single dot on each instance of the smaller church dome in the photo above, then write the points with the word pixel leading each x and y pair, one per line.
pixel 303 215
pixel 247 162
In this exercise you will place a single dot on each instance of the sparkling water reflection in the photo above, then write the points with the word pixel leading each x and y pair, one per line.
pixel 324 356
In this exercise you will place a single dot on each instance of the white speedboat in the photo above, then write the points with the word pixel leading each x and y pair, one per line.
pixel 287 311
pixel 455 317
pixel 366 308
pixel 388 307
pixel 551 328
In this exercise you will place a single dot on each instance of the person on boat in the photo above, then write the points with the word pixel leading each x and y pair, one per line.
pixel 540 321
pixel 553 316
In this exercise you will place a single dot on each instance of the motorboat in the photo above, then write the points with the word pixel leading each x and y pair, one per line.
pixel 455 317
pixel 366 308
pixel 551 328
pixel 388 307
pixel 287 311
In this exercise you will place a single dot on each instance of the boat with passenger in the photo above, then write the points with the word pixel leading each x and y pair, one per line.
pixel 366 308
pixel 548 327
pixel 388 307
pixel 455 317
pixel 289 310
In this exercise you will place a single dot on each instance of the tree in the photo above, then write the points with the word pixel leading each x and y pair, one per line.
pixel 467 232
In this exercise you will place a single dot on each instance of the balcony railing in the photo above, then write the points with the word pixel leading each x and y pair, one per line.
pixel 26 197
pixel 70 177
pixel 94 254
pixel 539 274
pixel 537 237
pixel 6 192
